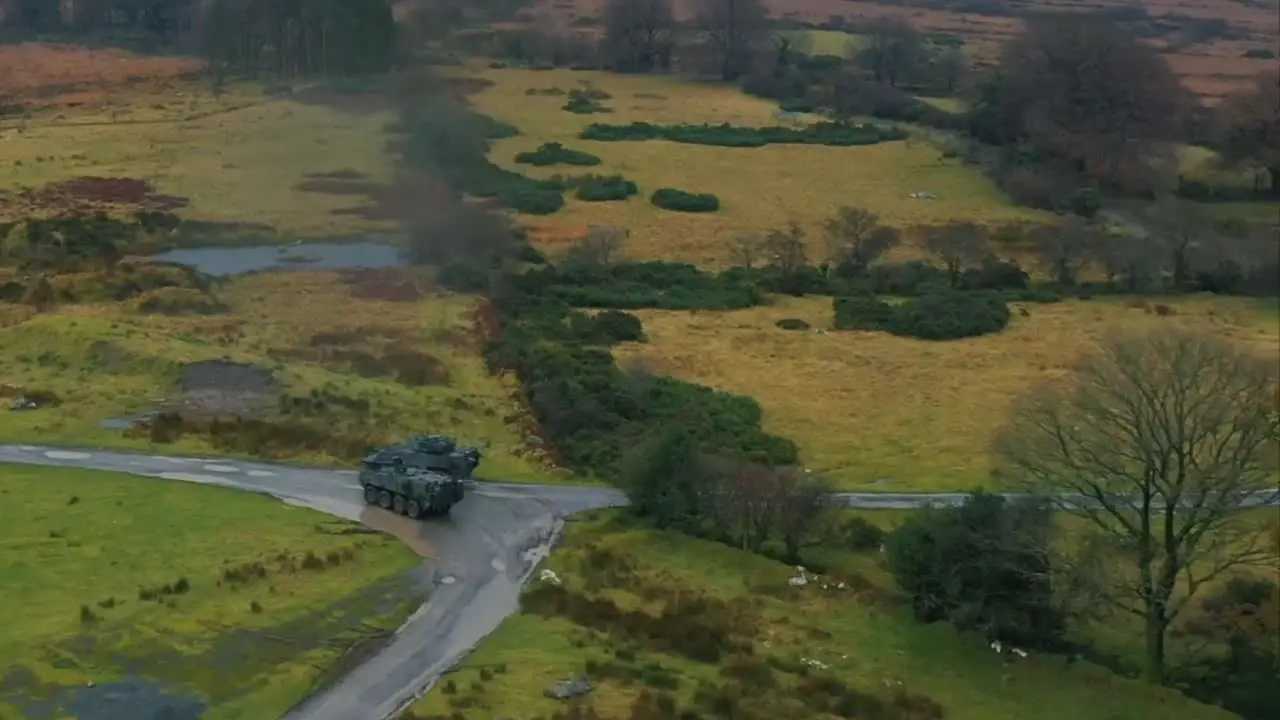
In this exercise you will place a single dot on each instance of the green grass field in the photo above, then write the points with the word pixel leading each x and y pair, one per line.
pixel 864 638
pixel 109 361
pixel 78 548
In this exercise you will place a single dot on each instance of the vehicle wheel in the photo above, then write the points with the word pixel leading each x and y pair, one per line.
pixel 413 509
pixel 370 494
pixel 384 499
pixel 397 504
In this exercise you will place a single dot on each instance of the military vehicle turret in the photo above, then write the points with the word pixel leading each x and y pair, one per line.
pixel 437 453
pixel 410 491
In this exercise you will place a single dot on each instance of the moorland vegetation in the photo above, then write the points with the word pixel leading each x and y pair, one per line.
pixel 705 474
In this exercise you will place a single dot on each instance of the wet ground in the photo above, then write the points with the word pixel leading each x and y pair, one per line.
pixel 225 261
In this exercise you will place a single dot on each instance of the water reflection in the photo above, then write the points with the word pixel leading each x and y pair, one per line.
pixel 317 256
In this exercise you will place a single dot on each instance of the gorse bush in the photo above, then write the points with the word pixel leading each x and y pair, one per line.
pixel 726 135
pixel 681 201
pixel 554 153
pixel 587 406
pixel 604 189
pixel 444 138
pixel 940 316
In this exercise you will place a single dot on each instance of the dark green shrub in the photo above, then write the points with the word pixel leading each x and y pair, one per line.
pixel 554 153
pixel 618 326
pixel 983 566
pixel 949 316
pixel 861 313
pixel 908 279
pixel 531 200
pixel 860 534
pixel 995 274
pixel 584 105
pixel 792 324
pixel 681 201
pixel 941 316
pixel 726 135
pixel 604 189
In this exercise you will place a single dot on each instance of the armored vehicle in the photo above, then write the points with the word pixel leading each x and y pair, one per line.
pixel 410 491
pixel 436 453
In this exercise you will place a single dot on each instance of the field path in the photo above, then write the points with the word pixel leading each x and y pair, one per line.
pixel 483 553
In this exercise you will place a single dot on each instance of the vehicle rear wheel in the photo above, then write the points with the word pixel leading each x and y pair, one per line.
pixel 370 494
pixel 384 499
pixel 397 504
pixel 413 509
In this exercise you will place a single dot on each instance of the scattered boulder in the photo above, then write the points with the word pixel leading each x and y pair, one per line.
pixel 22 402
pixel 569 689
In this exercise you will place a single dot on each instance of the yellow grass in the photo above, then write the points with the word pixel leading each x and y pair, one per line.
pixel 759 188
pixel 123 533
pixel 866 645
pixel 880 412
pixel 238 165
pixel 64 351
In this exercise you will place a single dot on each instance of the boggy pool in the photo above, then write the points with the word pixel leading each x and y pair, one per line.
pixel 377 253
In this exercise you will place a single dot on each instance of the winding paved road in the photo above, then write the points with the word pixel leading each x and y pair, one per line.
pixel 482 552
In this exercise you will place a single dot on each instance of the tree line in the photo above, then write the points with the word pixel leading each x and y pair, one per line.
pixel 253 38
pixel 1075 101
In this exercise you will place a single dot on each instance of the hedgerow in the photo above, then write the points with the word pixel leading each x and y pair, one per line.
pixel 940 316
pixel 726 135
pixel 553 153
pixel 587 406
pixel 453 142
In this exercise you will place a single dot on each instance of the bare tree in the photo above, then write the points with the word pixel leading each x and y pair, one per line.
pixel 786 249
pixel 734 29
pixel 1249 129
pixel 1159 441
pixel 1131 261
pixel 956 245
pixel 1087 92
pixel 894 53
pixel 739 499
pixel 639 34
pixel 1066 248
pixel 802 510
pixel 746 250
pixel 599 250
pixel 856 239
pixel 1183 231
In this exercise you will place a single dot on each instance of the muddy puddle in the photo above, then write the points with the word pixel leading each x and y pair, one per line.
pixel 413 533
pixel 148 679
pixel 224 261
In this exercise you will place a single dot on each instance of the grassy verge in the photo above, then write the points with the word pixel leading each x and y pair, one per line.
pixel 783 651
pixel 759 188
pixel 324 340
pixel 247 601
pixel 878 412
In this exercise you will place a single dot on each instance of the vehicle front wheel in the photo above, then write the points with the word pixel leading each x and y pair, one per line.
pixel 370 494
pixel 413 509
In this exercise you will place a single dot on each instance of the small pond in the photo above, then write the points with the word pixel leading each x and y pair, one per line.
pixel 309 256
